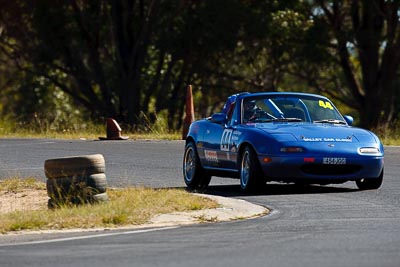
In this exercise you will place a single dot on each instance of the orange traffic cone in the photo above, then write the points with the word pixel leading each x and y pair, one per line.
pixel 113 131
pixel 189 117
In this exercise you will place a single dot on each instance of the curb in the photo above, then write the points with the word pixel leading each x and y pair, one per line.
pixel 230 209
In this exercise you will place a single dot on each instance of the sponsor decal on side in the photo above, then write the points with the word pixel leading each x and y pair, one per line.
pixel 211 155
pixel 236 135
pixel 316 139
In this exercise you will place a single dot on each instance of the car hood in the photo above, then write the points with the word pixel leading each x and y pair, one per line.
pixel 316 132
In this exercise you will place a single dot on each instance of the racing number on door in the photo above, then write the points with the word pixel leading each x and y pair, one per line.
pixel 226 139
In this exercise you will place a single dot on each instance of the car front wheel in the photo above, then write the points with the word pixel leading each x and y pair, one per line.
pixel 193 173
pixel 250 172
pixel 370 183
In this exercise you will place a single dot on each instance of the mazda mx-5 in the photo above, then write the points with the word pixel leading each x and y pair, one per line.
pixel 284 137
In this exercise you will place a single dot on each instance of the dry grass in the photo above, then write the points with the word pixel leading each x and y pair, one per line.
pixel 91 135
pixel 83 130
pixel 392 140
pixel 129 206
pixel 15 184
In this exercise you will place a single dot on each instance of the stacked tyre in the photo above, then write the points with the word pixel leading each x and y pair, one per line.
pixel 76 180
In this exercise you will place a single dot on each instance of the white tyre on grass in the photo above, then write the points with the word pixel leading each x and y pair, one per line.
pixel 103 197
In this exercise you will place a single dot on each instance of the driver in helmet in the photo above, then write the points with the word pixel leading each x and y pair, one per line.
pixel 250 110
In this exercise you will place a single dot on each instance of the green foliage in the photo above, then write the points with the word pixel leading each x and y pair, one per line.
pixel 77 61
pixel 40 127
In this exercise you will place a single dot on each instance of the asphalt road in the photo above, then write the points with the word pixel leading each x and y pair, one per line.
pixel 311 226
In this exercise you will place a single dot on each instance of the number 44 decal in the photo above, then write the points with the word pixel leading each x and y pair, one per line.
pixel 226 139
pixel 325 104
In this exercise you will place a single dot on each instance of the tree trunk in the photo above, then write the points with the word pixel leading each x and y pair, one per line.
pixel 374 29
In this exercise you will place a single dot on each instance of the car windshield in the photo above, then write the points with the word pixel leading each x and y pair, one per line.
pixel 278 108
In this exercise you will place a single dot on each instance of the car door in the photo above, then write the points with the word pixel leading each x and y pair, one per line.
pixel 211 145
pixel 219 146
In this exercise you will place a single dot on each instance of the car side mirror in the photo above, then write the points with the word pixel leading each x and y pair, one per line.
pixel 349 119
pixel 219 118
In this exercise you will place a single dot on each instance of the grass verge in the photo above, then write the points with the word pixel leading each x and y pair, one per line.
pixel 15 184
pixel 82 130
pixel 91 135
pixel 128 206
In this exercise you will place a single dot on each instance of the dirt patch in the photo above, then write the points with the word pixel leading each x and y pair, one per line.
pixel 27 199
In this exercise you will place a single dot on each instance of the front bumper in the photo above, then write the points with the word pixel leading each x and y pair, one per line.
pixel 297 167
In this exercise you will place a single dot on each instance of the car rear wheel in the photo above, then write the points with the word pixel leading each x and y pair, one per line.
pixel 250 172
pixel 370 183
pixel 193 173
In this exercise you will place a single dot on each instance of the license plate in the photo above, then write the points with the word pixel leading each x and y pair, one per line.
pixel 334 161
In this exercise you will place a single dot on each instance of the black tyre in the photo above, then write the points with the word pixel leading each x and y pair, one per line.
pixel 370 183
pixel 52 204
pixel 251 177
pixel 92 184
pixel 59 188
pixel 193 173
pixel 73 166
pixel 96 181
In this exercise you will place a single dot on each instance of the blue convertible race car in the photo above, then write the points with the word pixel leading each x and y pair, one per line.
pixel 284 137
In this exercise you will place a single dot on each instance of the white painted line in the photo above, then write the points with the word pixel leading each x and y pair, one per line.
pixel 88 236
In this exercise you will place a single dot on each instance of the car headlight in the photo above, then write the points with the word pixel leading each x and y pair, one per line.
pixel 369 150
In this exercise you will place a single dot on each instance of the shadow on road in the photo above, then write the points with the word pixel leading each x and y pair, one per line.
pixel 275 189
